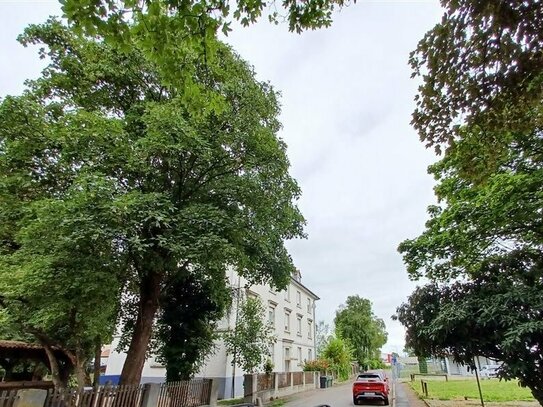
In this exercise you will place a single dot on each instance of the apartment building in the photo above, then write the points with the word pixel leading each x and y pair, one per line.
pixel 291 313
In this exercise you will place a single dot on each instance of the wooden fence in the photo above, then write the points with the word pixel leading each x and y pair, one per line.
pixel 7 398
pixel 264 382
pixel 283 379
pixel 106 396
pixel 309 377
pixel 297 378
pixel 191 393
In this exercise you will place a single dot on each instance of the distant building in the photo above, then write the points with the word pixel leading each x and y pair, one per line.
pixel 292 314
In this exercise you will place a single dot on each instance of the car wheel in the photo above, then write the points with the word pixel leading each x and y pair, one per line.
pixel 355 402
pixel 386 401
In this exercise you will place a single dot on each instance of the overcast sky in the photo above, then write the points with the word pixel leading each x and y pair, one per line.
pixel 347 99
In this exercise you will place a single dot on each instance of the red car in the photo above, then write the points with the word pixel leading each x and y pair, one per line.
pixel 370 386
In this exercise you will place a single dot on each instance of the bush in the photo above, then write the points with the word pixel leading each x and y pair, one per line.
pixel 317 365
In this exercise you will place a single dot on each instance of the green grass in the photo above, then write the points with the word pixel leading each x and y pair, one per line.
pixel 276 403
pixel 230 402
pixel 493 390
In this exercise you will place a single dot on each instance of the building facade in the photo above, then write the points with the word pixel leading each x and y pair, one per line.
pixel 290 312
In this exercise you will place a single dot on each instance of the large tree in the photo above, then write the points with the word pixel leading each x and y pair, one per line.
pixel 356 322
pixel 184 177
pixel 481 105
pixel 497 314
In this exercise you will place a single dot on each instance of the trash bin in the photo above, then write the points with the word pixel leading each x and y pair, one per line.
pixel 323 382
pixel 329 381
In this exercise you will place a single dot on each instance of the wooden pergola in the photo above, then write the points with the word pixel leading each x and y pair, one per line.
pixel 17 353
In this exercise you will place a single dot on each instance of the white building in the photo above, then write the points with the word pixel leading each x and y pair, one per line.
pixel 292 314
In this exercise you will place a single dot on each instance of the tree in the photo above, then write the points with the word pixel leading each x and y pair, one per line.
pixel 339 354
pixel 481 104
pixel 191 306
pixel 356 322
pixel 61 286
pixel 498 314
pixel 481 66
pixel 185 179
pixel 250 340
pixel 323 334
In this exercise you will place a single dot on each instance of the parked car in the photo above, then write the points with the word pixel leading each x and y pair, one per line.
pixel 489 371
pixel 371 386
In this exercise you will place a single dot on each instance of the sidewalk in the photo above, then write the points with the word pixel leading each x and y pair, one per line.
pixel 338 395
pixel 406 397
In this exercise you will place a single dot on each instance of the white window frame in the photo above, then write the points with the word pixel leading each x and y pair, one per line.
pixel 287 321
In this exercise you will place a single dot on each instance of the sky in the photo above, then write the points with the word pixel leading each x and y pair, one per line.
pixel 347 99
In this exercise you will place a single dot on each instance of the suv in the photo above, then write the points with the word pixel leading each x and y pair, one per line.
pixel 488 371
pixel 370 386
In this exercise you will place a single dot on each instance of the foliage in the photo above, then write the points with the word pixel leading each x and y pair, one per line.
pixel 249 342
pixel 497 314
pixel 171 31
pixel 191 305
pixel 493 390
pixel 356 322
pixel 481 104
pixel 268 366
pixel 316 365
pixel 339 353
pixel 62 245
pixel 114 180
pixel 323 334
pixel 482 66
pixel 230 402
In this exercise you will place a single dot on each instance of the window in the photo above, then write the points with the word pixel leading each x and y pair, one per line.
pixel 309 354
pixel 309 305
pixel 272 352
pixel 299 326
pixel 287 359
pixel 287 294
pixel 300 355
pixel 271 316
pixel 298 299
pixel 287 321
pixel 309 329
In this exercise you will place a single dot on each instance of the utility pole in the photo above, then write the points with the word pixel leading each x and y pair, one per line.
pixel 478 384
pixel 235 358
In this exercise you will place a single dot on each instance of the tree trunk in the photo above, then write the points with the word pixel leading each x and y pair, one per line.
pixel 97 362
pixel 53 366
pixel 148 306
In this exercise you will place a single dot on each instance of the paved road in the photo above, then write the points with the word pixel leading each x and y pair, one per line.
pixel 340 396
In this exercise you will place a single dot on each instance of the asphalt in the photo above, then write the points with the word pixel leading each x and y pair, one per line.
pixel 340 396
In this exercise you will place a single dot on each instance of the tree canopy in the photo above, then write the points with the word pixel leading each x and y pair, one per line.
pixel 481 106
pixel 114 182
pixel 172 32
pixel 356 322
pixel 481 66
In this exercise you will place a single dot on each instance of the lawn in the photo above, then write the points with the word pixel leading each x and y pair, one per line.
pixel 493 390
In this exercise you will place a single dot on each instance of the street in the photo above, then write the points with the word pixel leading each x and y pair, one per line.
pixel 340 396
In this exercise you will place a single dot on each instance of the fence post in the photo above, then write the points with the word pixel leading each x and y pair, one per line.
pixel 316 376
pixel 214 395
pixel 151 393
pixel 291 376
pixel 303 379
pixel 30 398
pixel 276 383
